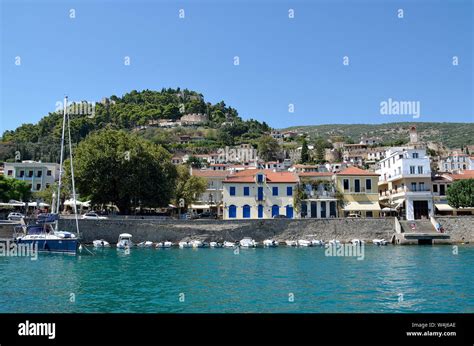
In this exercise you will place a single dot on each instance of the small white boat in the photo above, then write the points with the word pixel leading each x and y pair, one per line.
pixel 304 243
pixel 317 242
pixel 229 244
pixel 124 241
pixel 357 242
pixel 379 242
pixel 270 243
pixel 335 242
pixel 145 244
pixel 214 244
pixel 101 243
pixel 184 244
pixel 291 243
pixel 248 242
pixel 196 243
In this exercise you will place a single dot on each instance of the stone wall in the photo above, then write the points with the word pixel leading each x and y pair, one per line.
pixel 219 230
pixel 460 228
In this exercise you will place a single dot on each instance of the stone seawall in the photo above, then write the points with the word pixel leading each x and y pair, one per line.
pixel 460 228
pixel 219 230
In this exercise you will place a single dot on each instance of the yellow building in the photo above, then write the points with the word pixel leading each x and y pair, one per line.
pixel 360 189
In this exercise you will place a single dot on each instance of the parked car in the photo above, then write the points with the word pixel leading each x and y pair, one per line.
pixel 15 216
pixel 93 216
pixel 353 215
pixel 279 216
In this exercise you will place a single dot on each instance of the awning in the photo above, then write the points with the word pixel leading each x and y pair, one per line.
pixel 358 206
pixel 443 207
pixel 200 206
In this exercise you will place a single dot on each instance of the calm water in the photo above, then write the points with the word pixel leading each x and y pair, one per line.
pixel 430 278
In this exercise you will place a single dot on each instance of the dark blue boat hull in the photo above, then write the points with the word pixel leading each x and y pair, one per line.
pixel 67 246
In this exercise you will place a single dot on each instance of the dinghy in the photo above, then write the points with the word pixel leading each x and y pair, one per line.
pixel 304 243
pixel 291 243
pixel 379 242
pixel 145 244
pixel 270 243
pixel 248 242
pixel 124 241
pixel 100 243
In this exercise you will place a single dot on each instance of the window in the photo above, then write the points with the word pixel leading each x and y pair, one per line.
pixel 246 211
pixel 412 169
pixel 413 186
pixel 10 172
pixel 260 211
pixel 420 169
pixel 232 190
pixel 289 191
pixel 232 211
pixel 368 184
pixel 260 193
pixel 369 214
pixel 422 186
pixel 246 191
pixel 415 155
pixel 275 210
pixel 260 178
pixel 400 156
pixel 356 185
pixel 435 187
pixel 39 174
pixel 22 174
pixel 275 191
pixel 48 172
pixel 48 185
pixel 30 174
pixel 346 184
pixel 38 187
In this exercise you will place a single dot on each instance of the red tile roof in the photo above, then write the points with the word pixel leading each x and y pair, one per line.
pixel 248 176
pixel 466 174
pixel 357 171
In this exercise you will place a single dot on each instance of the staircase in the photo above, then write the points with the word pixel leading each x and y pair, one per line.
pixel 419 232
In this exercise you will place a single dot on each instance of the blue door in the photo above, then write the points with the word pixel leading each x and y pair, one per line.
pixel 260 211
pixel 275 210
pixel 246 211
pixel 232 211
pixel 289 211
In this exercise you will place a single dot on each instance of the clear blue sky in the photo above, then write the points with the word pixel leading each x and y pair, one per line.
pixel 282 60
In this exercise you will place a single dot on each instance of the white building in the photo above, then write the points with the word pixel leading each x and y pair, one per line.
pixel 259 194
pixel 455 162
pixel 405 182
pixel 211 199
pixel 38 175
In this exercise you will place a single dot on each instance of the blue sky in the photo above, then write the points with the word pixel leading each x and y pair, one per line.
pixel 283 61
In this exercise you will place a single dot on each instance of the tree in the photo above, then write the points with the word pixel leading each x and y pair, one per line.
pixel 188 187
pixel 461 194
pixel 194 162
pixel 124 169
pixel 304 152
pixel 268 148
pixel 14 189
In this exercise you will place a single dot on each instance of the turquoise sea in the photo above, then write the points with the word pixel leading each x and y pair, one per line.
pixel 301 280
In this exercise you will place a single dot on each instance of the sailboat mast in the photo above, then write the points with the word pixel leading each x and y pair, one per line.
pixel 58 197
pixel 72 173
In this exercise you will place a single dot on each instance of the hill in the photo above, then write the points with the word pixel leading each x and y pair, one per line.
pixel 452 135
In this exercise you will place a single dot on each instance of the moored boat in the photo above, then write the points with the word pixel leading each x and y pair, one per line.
pixel 164 244
pixel 379 242
pixel 124 241
pixel 304 243
pixel 291 243
pixel 229 244
pixel 145 244
pixel 100 243
pixel 248 242
pixel 270 243
pixel 315 242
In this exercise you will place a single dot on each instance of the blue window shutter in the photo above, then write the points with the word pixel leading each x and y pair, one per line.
pixel 289 191
pixel 232 190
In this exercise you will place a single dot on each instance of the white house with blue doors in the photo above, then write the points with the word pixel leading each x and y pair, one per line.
pixel 259 194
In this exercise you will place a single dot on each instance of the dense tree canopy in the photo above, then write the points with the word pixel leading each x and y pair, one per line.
pixel 268 148
pixel 13 189
pixel 188 187
pixel 114 166
pixel 461 194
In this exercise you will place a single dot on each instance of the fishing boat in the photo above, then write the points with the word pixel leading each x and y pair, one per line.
pixel 124 241
pixel 164 244
pixel 379 242
pixel 100 243
pixel 304 243
pixel 248 242
pixel 270 243
pixel 44 232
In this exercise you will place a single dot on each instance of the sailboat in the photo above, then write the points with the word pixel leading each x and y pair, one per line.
pixel 44 235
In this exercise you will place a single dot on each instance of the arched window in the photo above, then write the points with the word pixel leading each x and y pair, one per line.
pixel 275 210
pixel 232 211
pixel 246 211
